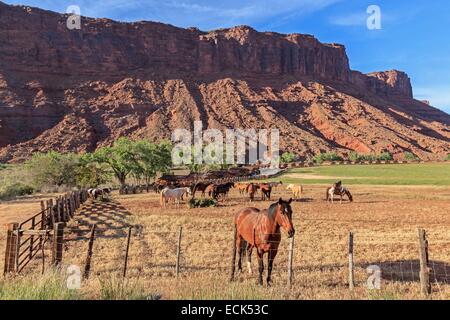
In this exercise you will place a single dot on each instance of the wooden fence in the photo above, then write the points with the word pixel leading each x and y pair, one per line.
pixel 25 240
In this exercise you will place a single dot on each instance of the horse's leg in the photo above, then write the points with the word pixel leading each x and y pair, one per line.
pixel 341 198
pixel 261 266
pixel 239 246
pixel 249 258
pixel 271 256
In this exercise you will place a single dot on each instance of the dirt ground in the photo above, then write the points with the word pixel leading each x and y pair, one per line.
pixel 384 220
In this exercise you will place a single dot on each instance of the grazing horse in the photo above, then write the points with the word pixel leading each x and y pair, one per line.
pixel 173 194
pixel 296 190
pixel 210 190
pixel 275 184
pixel 251 190
pixel 94 193
pixel 260 229
pixel 200 186
pixel 338 190
pixel 242 187
pixel 222 189
pixel 266 190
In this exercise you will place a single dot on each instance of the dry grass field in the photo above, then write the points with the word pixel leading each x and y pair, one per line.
pixel 384 220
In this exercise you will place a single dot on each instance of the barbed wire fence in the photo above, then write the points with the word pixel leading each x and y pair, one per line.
pixel 185 252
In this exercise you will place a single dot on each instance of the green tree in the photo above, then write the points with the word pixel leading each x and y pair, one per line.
pixel 329 156
pixel 287 157
pixel 91 173
pixel 121 158
pixel 409 156
pixel 152 159
pixel 53 169
pixel 385 156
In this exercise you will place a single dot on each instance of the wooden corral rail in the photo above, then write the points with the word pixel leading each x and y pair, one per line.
pixel 25 240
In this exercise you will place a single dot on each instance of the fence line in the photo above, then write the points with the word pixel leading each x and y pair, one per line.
pixel 28 238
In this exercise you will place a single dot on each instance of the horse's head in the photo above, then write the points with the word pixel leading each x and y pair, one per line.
pixel 349 195
pixel 283 216
pixel 189 191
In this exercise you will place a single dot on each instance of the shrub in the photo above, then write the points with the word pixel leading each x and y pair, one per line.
pixel 202 203
pixel 53 169
pixel 288 157
pixel 409 156
pixel 385 156
pixel 448 157
pixel 356 157
pixel 16 190
pixel 329 156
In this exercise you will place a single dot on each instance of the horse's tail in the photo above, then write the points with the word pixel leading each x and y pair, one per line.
pixel 233 258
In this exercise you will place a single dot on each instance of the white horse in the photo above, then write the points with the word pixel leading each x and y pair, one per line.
pixel 338 191
pixel 174 194
pixel 296 190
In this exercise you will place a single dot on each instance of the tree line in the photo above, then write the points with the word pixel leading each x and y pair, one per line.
pixel 140 160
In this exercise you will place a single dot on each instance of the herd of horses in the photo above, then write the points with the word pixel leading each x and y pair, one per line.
pixel 254 229
pixel 220 191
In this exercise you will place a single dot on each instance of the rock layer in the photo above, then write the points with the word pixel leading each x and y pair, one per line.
pixel 76 90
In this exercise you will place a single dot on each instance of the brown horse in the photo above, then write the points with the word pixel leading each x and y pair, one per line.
pixel 260 229
pixel 200 186
pixel 266 190
pixel 251 190
pixel 242 187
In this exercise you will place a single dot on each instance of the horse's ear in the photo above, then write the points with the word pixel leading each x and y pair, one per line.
pixel 290 200
pixel 280 201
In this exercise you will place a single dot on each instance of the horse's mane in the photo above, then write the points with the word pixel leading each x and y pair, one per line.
pixel 271 210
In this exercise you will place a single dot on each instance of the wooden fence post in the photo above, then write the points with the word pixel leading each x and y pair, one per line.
pixel 424 263
pixel 87 265
pixel 126 252
pixel 177 267
pixel 351 273
pixel 50 214
pixel 58 210
pixel 58 244
pixel 11 248
pixel 290 261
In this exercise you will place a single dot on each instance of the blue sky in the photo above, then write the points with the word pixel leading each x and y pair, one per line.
pixel 415 35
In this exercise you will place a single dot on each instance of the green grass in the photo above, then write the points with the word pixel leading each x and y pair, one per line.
pixel 50 286
pixel 430 174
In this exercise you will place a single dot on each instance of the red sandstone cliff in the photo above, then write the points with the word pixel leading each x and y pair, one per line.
pixel 80 89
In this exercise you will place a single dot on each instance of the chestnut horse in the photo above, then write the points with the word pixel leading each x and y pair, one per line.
pixel 251 190
pixel 200 186
pixel 266 190
pixel 260 229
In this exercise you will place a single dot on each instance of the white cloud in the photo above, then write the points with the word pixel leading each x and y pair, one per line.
pixel 204 14
pixel 350 20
